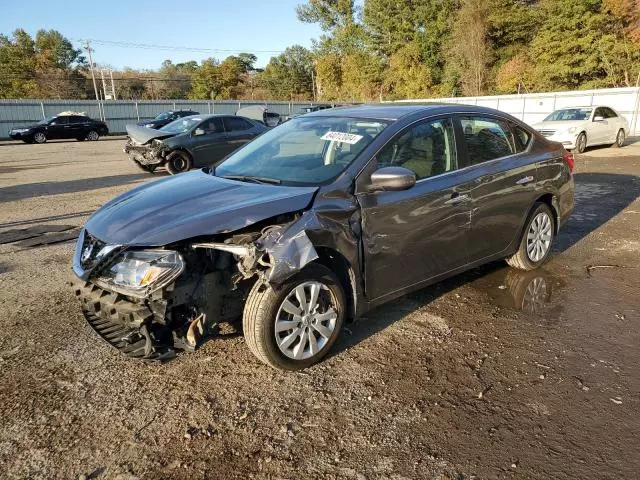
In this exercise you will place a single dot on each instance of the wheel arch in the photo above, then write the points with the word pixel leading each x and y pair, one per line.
pixel 338 264
pixel 552 202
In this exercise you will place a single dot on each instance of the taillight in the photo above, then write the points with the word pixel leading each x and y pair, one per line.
pixel 569 160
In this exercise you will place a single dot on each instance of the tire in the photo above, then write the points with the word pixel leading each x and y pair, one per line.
pixel 620 138
pixel 92 136
pixel 265 308
pixel 178 162
pixel 581 143
pixel 39 137
pixel 528 256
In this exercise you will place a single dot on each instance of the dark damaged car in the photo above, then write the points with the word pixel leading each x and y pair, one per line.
pixel 318 221
pixel 193 141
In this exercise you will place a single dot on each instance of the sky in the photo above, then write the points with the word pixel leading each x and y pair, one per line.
pixel 263 27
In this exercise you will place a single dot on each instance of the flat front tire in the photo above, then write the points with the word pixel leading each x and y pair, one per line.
pixel 178 162
pixel 537 239
pixel 294 325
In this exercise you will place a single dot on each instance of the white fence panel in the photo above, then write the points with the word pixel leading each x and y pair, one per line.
pixel 534 107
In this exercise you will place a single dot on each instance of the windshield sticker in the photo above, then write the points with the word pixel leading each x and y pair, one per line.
pixel 349 138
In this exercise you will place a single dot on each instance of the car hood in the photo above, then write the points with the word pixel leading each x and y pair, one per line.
pixel 560 126
pixel 145 134
pixel 190 205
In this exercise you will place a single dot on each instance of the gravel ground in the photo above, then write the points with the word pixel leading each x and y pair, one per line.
pixel 491 374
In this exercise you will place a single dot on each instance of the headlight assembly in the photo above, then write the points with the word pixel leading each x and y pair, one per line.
pixel 141 272
pixel 150 125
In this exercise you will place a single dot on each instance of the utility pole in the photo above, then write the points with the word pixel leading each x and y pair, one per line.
pixel 88 48
pixel 113 85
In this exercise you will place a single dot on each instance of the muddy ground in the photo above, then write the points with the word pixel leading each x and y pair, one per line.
pixel 491 374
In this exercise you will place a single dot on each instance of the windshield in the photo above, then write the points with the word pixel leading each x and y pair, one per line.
pixel 303 151
pixel 163 116
pixel 45 121
pixel 181 125
pixel 569 114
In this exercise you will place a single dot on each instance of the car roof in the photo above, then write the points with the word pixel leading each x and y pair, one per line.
pixel 395 111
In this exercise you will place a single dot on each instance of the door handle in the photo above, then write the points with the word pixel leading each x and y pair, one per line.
pixel 456 199
pixel 525 180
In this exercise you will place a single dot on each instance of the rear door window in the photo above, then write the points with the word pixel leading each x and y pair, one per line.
pixel 486 139
pixel 236 124
pixel 78 119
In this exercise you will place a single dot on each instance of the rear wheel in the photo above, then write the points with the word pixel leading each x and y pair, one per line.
pixel 294 325
pixel 178 162
pixel 92 136
pixel 581 143
pixel 620 138
pixel 537 238
pixel 39 137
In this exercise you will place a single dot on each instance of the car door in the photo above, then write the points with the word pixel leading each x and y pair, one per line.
pixel 504 179
pixel 59 128
pixel 208 142
pixel 78 126
pixel 601 128
pixel 414 235
pixel 239 131
pixel 615 123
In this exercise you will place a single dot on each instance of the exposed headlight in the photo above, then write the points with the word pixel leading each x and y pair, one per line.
pixel 150 125
pixel 141 272
pixel 572 129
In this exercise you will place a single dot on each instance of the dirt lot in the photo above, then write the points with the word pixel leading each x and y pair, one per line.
pixel 492 374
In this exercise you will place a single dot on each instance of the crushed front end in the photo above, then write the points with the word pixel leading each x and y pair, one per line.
pixel 150 302
pixel 149 155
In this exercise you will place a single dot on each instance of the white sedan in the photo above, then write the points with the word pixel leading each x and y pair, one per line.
pixel 581 127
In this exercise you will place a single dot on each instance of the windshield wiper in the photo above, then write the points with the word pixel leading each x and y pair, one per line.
pixel 250 178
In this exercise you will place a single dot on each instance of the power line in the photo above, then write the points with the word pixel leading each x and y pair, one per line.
pixel 153 46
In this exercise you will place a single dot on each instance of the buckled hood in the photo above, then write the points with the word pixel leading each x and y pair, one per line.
pixel 190 205
pixel 142 135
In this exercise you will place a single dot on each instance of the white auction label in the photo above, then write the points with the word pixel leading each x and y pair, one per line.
pixel 350 138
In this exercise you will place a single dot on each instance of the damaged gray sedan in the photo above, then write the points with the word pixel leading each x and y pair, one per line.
pixel 316 222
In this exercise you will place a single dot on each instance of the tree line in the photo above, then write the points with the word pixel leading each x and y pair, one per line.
pixel 374 50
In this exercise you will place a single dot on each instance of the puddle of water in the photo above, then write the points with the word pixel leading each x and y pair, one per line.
pixel 537 293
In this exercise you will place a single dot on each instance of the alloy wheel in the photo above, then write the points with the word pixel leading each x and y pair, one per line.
pixel 539 237
pixel 306 320
pixel 92 136
pixel 39 137
pixel 620 138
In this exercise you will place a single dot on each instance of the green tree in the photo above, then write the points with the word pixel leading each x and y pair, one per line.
pixel 206 80
pixel 289 75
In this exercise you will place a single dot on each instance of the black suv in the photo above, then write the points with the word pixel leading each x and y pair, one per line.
pixel 165 118
pixel 79 127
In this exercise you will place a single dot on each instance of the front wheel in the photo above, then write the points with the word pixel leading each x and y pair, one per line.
pixel 39 137
pixel 620 138
pixel 581 143
pixel 178 162
pixel 294 325
pixel 537 238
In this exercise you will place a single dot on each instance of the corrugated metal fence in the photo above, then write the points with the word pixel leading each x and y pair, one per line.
pixel 534 107
pixel 20 113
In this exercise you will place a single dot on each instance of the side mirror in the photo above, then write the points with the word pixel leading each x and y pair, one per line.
pixel 392 179
pixel 598 119
pixel 198 131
